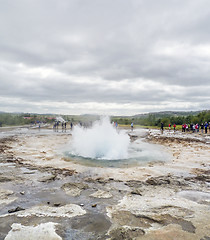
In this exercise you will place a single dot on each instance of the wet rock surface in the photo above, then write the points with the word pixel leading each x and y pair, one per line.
pixel 122 233
pixel 74 189
pixel 70 203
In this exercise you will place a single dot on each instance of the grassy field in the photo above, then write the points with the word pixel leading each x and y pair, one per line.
pixel 178 127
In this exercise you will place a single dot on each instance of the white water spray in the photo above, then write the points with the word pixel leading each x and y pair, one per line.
pixel 102 141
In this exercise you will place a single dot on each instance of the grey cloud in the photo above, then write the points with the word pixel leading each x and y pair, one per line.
pixel 107 40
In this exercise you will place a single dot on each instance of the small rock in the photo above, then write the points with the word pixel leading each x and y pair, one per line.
pixel 101 194
pixel 101 180
pixel 29 172
pixel 74 189
pixel 136 191
pixel 94 205
pixel 82 205
pixel 15 210
pixel 48 178
pixel 158 181
pixel 126 233
pixel 22 193
pixel 56 204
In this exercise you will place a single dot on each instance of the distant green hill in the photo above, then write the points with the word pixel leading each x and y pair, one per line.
pixel 168 114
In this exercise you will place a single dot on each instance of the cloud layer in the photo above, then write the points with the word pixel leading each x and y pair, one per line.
pixel 107 57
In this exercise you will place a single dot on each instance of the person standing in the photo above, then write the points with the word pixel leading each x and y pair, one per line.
pixel 202 127
pixel 196 128
pixel 161 128
pixel 193 128
pixel 183 127
pixel 174 127
pixel 132 126
pixel 206 127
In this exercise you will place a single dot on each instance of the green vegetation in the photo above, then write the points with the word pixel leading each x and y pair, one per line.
pixel 151 120
pixel 15 119
pixel 155 119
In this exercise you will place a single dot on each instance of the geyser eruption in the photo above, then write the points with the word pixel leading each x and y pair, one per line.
pixel 103 145
pixel 102 141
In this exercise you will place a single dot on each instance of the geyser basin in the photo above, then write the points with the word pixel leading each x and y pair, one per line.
pixel 104 145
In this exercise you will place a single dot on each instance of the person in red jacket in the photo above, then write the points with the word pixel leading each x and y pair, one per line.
pixel 174 127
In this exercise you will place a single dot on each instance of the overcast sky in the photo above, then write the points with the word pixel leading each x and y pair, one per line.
pixel 115 57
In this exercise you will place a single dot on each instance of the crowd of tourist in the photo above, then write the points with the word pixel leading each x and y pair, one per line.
pixel 203 127
pixel 63 124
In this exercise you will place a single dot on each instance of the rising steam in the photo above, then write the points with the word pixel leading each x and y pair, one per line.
pixel 102 141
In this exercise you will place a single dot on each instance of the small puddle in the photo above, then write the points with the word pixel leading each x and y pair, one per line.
pixel 196 196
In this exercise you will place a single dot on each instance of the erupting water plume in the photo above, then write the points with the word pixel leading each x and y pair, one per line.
pixel 102 141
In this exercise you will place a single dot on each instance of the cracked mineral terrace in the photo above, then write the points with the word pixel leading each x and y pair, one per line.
pixel 46 196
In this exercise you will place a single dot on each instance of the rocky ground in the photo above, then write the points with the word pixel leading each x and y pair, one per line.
pixel 45 196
